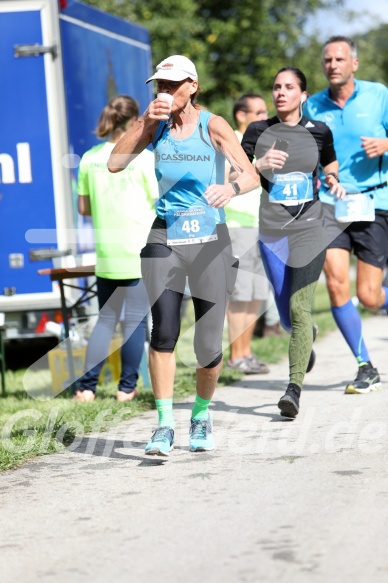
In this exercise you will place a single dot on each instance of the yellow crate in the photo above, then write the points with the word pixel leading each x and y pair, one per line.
pixel 59 369
pixel 111 370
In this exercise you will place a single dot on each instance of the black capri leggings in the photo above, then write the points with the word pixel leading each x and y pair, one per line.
pixel 211 270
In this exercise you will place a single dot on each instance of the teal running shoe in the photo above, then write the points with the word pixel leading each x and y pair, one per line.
pixel 161 442
pixel 201 435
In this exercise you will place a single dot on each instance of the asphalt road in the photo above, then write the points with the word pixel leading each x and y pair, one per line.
pixel 277 500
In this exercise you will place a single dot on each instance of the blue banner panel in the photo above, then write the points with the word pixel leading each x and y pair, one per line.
pixel 103 56
pixel 26 182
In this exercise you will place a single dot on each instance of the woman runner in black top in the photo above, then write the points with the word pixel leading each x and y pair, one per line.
pixel 289 149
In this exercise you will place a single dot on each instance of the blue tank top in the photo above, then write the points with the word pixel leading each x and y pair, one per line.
pixel 185 168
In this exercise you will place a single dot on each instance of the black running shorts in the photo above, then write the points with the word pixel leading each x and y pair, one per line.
pixel 367 239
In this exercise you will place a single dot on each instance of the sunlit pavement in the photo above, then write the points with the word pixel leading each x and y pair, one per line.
pixel 277 500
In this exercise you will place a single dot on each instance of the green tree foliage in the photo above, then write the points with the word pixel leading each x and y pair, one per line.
pixel 373 55
pixel 237 45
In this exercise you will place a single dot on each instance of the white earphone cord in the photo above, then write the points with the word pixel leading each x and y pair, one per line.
pixel 304 202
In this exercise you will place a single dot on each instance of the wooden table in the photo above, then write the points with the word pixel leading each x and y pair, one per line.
pixel 88 292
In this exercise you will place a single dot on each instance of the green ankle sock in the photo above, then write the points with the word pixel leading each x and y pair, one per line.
pixel 200 408
pixel 164 407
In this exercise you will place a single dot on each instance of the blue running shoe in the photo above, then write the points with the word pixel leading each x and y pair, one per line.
pixel 161 442
pixel 201 435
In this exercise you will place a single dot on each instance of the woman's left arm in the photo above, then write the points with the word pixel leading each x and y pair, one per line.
pixel 332 180
pixel 329 163
pixel 225 141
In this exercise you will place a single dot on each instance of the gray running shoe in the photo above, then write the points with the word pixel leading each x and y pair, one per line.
pixel 257 365
pixel 248 365
pixel 367 380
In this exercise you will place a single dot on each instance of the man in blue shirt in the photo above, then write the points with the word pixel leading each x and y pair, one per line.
pixel 357 113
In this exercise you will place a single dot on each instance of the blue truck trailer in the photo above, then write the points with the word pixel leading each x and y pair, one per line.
pixel 61 61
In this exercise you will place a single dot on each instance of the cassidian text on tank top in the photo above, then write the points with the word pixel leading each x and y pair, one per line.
pixel 184 169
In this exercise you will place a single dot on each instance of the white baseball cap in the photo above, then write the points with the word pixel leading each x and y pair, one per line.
pixel 175 68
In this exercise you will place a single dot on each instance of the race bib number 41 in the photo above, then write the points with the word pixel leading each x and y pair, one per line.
pixel 190 226
pixel 291 189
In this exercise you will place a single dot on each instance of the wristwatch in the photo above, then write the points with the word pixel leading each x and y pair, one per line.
pixel 333 174
pixel 236 187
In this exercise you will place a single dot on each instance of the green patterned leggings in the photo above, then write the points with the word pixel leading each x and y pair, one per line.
pixel 293 265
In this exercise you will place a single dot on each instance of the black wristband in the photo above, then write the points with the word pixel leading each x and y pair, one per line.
pixel 333 174
pixel 236 187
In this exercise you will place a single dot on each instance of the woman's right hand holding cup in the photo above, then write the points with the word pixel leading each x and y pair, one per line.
pixel 160 108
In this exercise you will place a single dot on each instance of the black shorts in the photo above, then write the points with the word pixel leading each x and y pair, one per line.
pixel 211 270
pixel 367 239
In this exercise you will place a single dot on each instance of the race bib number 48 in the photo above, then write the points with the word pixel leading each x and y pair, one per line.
pixel 190 226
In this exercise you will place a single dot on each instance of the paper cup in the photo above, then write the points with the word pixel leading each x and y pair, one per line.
pixel 167 97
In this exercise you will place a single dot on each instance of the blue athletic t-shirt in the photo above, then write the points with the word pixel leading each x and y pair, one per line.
pixel 364 114
pixel 185 168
